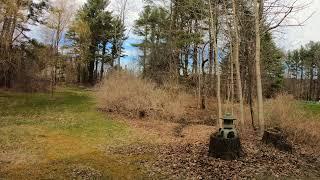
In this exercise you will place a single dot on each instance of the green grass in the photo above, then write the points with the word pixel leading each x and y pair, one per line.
pixel 313 108
pixel 70 111
pixel 44 137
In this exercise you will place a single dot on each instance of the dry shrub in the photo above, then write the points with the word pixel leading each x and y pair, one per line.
pixel 286 112
pixel 129 95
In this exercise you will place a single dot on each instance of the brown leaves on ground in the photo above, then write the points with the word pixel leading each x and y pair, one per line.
pixel 183 157
pixel 85 173
pixel 177 146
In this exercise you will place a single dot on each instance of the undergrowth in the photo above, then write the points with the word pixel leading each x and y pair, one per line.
pixel 127 94
pixel 302 124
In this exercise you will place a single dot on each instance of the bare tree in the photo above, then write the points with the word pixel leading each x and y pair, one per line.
pixel 214 30
pixel 58 20
pixel 282 13
pixel 258 70
pixel 121 9
pixel 236 59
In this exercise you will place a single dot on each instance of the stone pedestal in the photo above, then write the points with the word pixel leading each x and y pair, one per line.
pixel 228 149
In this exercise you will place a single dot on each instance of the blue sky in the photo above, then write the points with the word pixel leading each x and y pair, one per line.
pixel 132 53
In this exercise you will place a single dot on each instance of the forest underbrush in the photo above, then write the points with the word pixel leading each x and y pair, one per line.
pixel 125 94
pixel 130 96
pixel 179 145
pixel 297 119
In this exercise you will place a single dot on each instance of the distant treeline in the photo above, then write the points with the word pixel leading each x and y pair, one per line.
pixel 303 71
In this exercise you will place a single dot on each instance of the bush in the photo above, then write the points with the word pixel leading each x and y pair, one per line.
pixel 129 95
pixel 287 113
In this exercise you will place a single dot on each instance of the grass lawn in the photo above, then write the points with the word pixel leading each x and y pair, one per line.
pixel 313 108
pixel 48 138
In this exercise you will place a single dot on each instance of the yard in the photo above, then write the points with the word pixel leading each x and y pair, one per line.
pixel 60 137
pixel 67 137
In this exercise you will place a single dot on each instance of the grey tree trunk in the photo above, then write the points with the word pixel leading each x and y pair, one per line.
pixel 258 70
pixel 214 31
pixel 236 60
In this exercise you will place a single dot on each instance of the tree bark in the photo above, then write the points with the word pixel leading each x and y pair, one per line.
pixel 195 53
pixel 232 79
pixel 236 60
pixel 214 31
pixel 103 60
pixel 203 94
pixel 91 66
pixel 211 49
pixel 186 62
pixel 258 70
pixel 144 60
pixel 195 59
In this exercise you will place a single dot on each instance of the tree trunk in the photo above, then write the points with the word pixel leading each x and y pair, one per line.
pixel 211 60
pixel 250 98
pixel 311 83
pixel 301 83
pixel 236 61
pixel 144 60
pixel 78 73
pixel 91 72
pixel 211 64
pixel 217 65
pixel 214 32
pixel 278 139
pixel 258 71
pixel 103 60
pixel 202 88
pixel 186 62
pixel 232 80
pixel 195 59
pixel 199 79
pixel 5 33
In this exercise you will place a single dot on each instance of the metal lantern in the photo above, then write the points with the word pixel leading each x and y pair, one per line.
pixel 228 131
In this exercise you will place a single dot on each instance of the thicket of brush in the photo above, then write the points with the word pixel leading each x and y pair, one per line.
pixel 289 114
pixel 127 94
